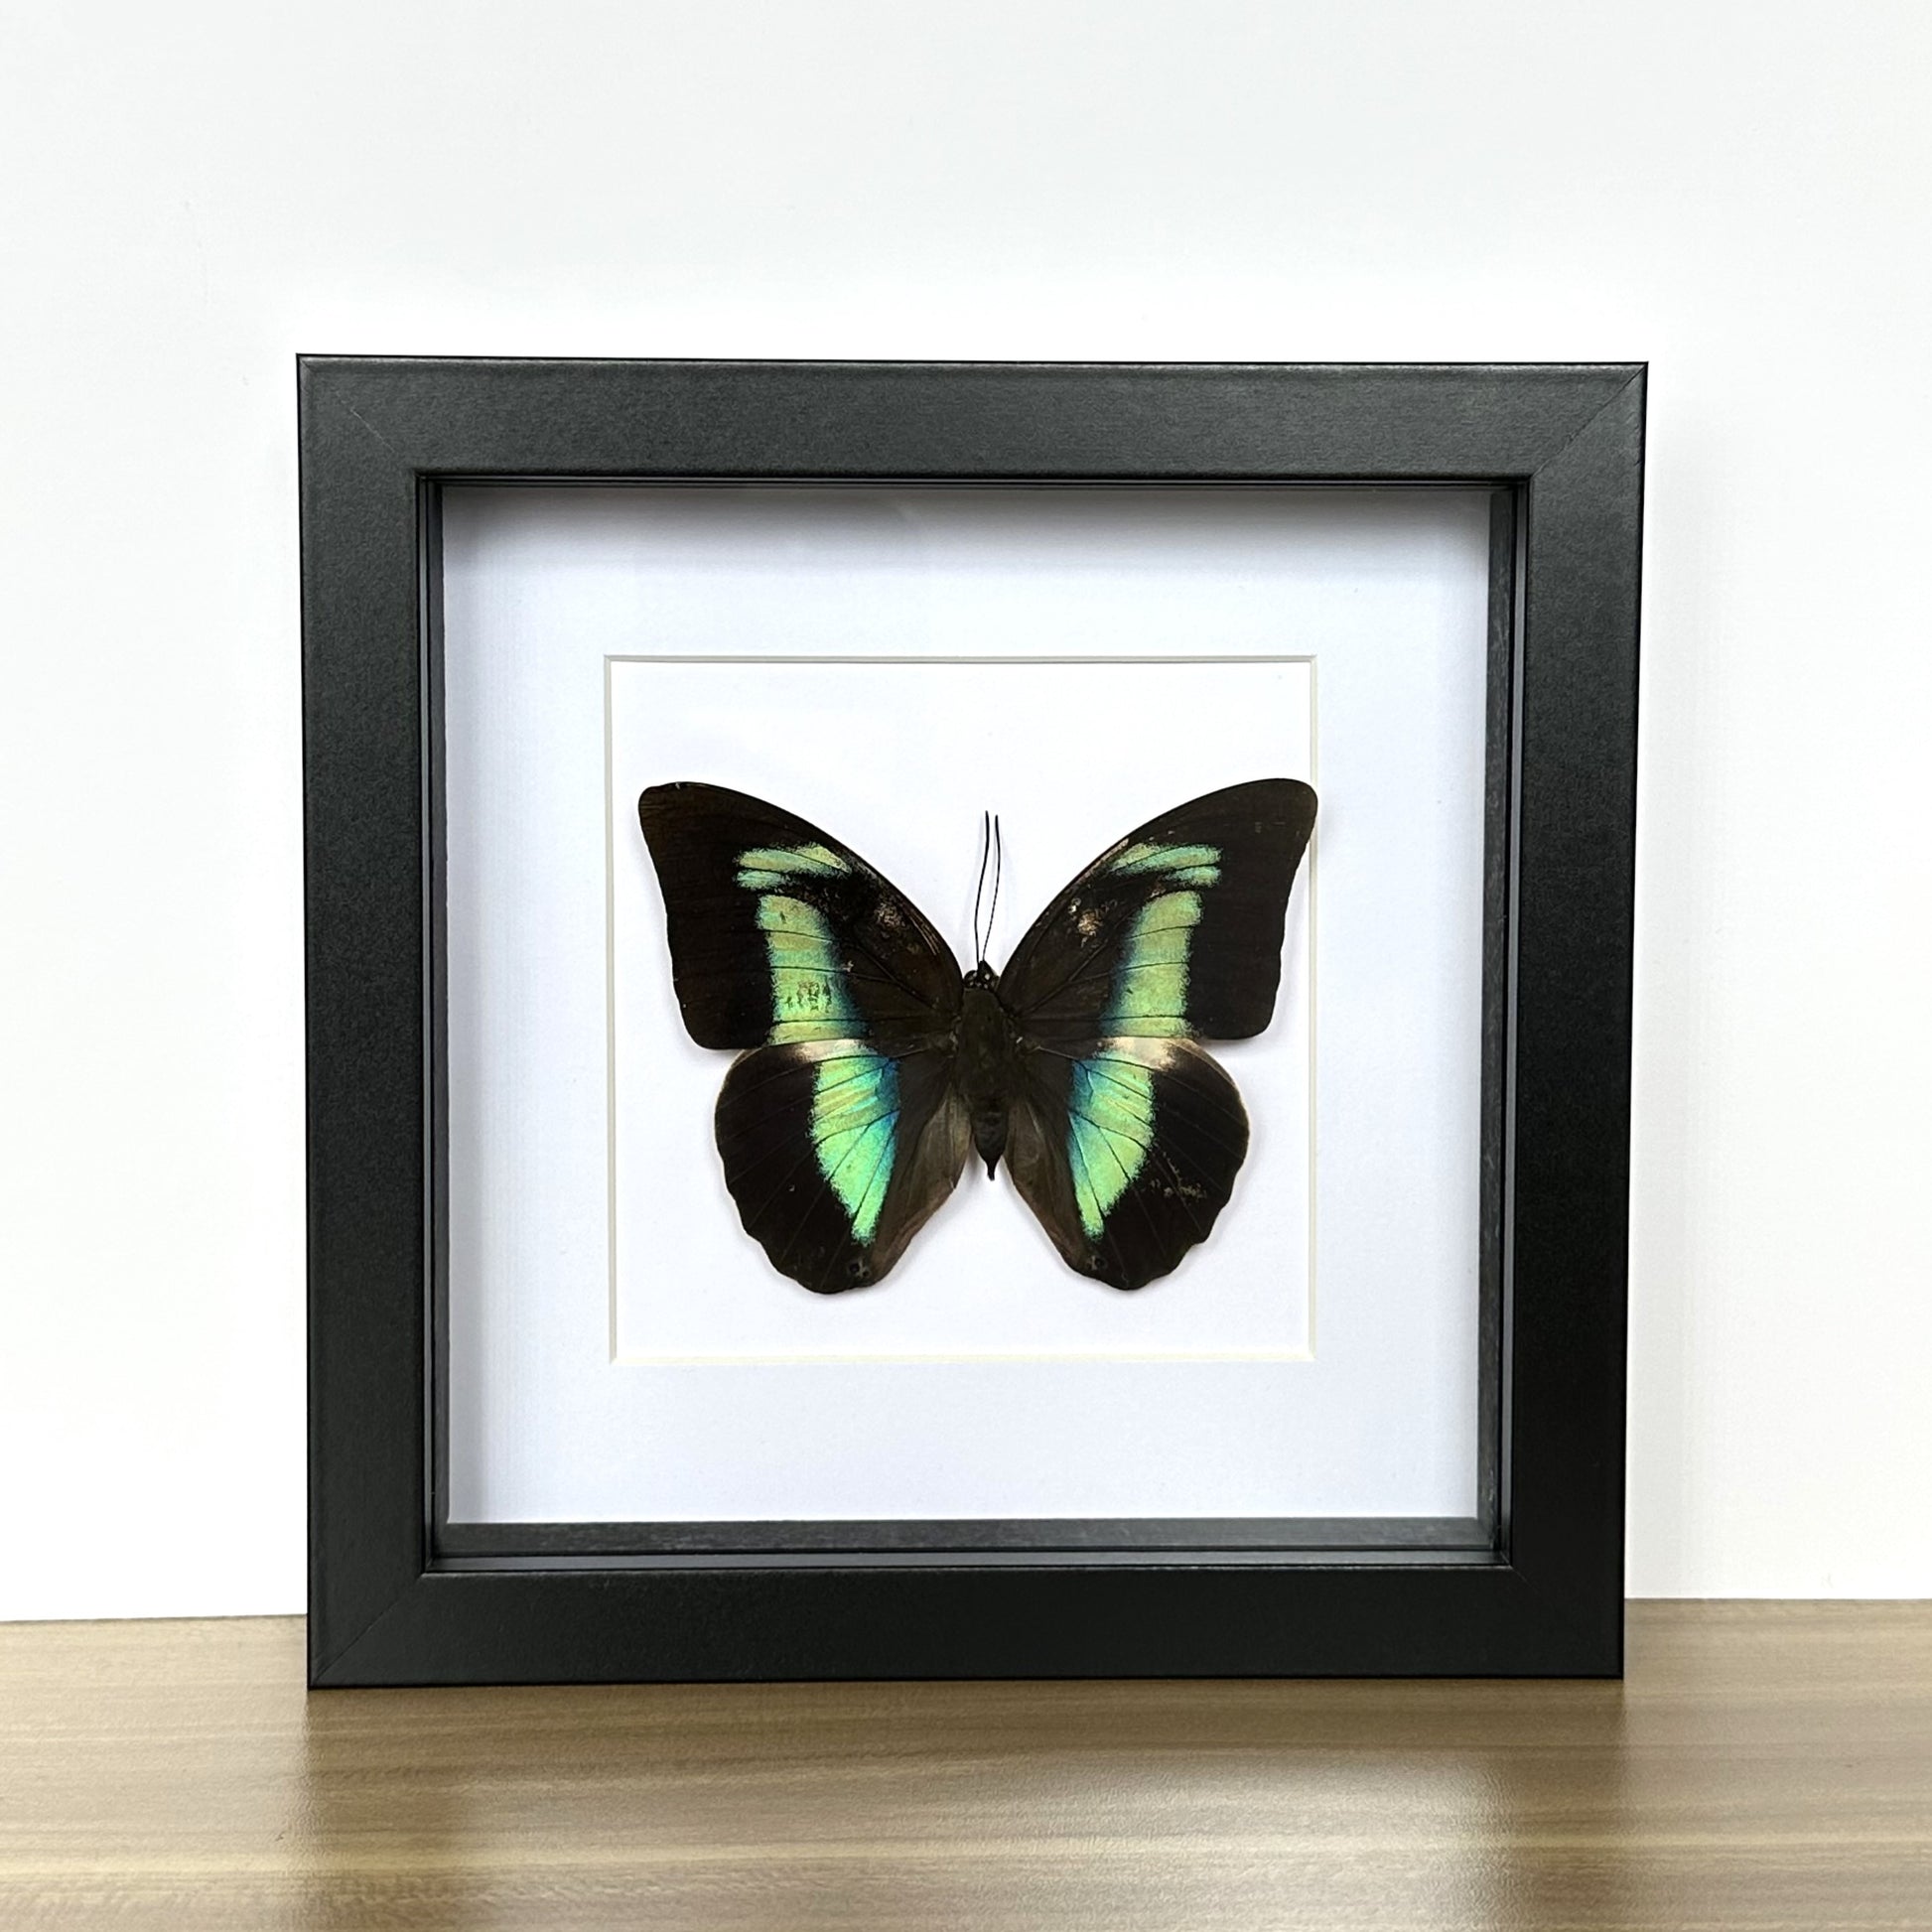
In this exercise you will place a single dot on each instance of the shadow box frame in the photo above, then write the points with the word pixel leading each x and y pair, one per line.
pixel 1532 1586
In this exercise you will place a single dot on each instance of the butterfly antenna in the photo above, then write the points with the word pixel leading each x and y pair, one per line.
pixel 993 910
pixel 979 891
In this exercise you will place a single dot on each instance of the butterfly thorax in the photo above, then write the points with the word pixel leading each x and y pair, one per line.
pixel 986 1066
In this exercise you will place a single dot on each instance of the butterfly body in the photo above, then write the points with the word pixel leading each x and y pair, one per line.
pixel 987 1071
pixel 871 1068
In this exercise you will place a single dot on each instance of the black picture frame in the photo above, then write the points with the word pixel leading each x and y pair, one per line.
pixel 1533 1587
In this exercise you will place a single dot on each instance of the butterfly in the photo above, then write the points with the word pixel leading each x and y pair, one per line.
pixel 869 1067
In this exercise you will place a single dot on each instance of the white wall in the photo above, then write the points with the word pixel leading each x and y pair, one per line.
pixel 194 192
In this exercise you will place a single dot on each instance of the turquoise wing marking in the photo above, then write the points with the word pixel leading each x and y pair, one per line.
pixel 855 1124
pixel 1143 1159
pixel 1187 865
pixel 1110 1127
pixel 855 1098
pixel 810 996
pixel 1150 991
pixel 1150 995
pixel 1110 1101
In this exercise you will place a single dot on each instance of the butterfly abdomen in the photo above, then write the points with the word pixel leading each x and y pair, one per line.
pixel 986 1065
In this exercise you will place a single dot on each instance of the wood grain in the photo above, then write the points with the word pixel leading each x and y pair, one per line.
pixel 1765 1765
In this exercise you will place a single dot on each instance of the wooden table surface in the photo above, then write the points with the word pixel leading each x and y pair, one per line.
pixel 1764 1765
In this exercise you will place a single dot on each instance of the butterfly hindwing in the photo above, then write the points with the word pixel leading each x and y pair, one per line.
pixel 1173 932
pixel 837 1153
pixel 780 933
pixel 1127 1150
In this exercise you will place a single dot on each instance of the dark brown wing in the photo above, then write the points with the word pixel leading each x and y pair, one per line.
pixel 1127 1150
pixel 1128 1137
pixel 837 1155
pixel 1175 932
pixel 838 1128
pixel 780 932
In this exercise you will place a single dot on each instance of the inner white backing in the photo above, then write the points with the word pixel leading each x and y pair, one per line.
pixel 897 759
pixel 1342 1387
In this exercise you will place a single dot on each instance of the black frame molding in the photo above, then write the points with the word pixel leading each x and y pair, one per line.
pixel 1535 1588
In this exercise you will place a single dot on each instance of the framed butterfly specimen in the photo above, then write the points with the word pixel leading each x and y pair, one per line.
pixel 649 708
pixel 870 1068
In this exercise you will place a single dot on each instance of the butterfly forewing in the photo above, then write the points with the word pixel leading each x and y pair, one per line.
pixel 780 932
pixel 837 1126
pixel 1128 1137
pixel 1173 932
